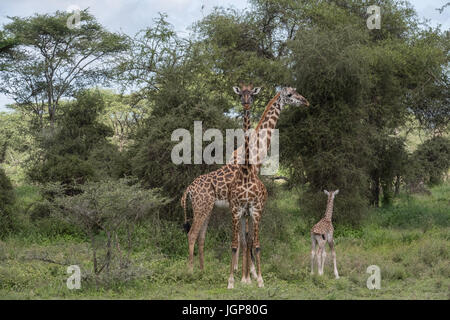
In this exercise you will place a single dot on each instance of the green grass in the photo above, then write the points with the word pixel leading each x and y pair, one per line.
pixel 408 241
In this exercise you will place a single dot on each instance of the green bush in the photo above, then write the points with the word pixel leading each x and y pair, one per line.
pixel 6 190
pixel 433 159
pixel 7 198
pixel 40 210
pixel 349 209
pixel 107 161
pixel 65 168
pixel 68 146
pixel 108 212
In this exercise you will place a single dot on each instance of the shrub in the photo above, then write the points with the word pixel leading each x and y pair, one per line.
pixel 40 210
pixel 67 147
pixel 431 160
pixel 348 209
pixel 6 200
pixel 107 212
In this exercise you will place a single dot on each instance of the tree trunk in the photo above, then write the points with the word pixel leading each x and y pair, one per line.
pixel 375 201
pixel 397 186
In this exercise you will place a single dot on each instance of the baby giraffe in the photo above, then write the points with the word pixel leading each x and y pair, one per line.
pixel 321 233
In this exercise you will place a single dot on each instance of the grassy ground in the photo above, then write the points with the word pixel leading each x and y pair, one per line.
pixel 408 241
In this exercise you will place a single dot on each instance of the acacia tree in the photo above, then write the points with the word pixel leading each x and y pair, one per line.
pixel 52 61
pixel 152 50
pixel 124 114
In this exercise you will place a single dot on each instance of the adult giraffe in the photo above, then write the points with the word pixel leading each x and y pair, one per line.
pixel 213 187
pixel 248 195
pixel 203 190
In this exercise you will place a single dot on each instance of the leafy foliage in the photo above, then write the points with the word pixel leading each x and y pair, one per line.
pixel 7 198
pixel 66 149
pixel 108 212
pixel 51 61
pixel 432 160
pixel 363 85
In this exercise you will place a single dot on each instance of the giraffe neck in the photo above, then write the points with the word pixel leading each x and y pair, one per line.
pixel 267 123
pixel 269 108
pixel 329 211
pixel 268 120
pixel 246 128
pixel 246 125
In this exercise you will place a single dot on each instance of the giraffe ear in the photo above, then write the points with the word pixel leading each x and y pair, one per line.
pixel 326 192
pixel 237 90
pixel 256 90
pixel 336 192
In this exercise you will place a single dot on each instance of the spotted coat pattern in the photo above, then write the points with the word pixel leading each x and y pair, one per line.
pixel 325 225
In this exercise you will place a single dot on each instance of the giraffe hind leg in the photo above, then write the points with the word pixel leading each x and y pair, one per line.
pixel 324 256
pixel 192 238
pixel 251 259
pixel 201 214
pixel 313 252
pixel 333 254
pixel 201 242
pixel 245 255
pixel 256 217
pixel 319 255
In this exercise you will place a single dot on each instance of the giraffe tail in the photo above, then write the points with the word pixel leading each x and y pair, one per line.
pixel 186 225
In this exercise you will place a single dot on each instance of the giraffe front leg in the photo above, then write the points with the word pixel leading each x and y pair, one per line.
pixel 252 266
pixel 236 262
pixel 244 244
pixel 256 215
pixel 234 246
pixel 333 254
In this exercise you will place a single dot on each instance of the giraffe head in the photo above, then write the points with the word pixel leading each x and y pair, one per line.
pixel 246 92
pixel 288 95
pixel 331 194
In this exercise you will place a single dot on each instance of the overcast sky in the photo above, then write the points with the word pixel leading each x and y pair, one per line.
pixel 130 16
